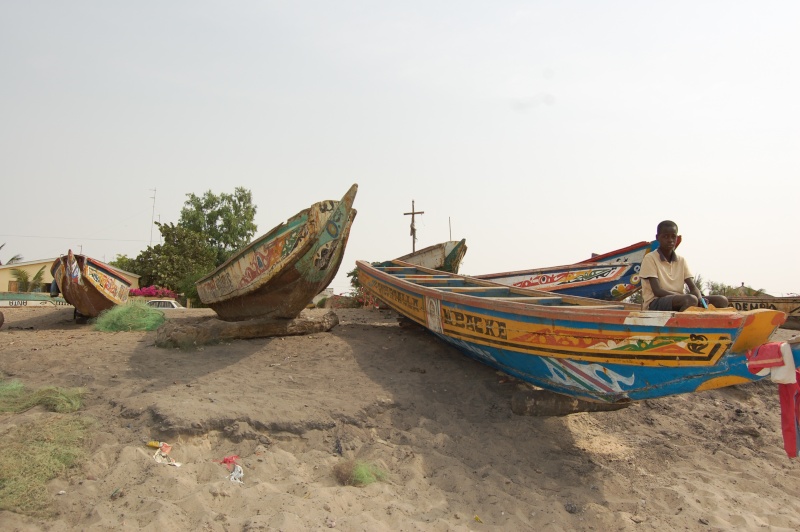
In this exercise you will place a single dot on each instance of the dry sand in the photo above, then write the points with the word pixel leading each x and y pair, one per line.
pixel 439 423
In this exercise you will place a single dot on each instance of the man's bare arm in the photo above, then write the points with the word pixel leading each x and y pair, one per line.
pixel 693 288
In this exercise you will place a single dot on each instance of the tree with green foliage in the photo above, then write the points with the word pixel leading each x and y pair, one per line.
pixel 123 262
pixel 734 291
pixel 25 282
pixel 635 298
pixel 225 220
pixel 182 254
pixel 12 260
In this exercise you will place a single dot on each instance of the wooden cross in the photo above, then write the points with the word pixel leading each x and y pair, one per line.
pixel 413 226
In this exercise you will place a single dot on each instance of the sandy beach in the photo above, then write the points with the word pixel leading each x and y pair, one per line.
pixel 437 422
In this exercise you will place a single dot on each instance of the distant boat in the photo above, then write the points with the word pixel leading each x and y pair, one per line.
pixel 30 299
pixel 445 256
pixel 579 347
pixel 89 285
pixel 278 274
pixel 789 305
pixel 610 276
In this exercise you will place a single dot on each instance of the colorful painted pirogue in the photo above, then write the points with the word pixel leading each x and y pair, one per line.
pixel 279 273
pixel 580 347
pixel 611 276
pixel 89 285
pixel 789 305
pixel 445 256
pixel 30 299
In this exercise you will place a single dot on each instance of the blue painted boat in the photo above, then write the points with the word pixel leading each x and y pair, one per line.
pixel 585 348
pixel 611 276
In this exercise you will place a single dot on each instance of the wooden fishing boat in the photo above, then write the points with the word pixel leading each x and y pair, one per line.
pixel 445 256
pixel 30 299
pixel 584 348
pixel 789 305
pixel 611 276
pixel 89 285
pixel 279 273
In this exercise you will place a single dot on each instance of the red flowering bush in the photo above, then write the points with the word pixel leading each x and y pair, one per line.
pixel 153 291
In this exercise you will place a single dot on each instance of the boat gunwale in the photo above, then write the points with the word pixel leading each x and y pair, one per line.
pixel 269 236
pixel 621 268
pixel 736 319
pixel 644 244
pixel 584 264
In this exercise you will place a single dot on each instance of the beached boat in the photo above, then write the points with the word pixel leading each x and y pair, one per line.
pixel 610 276
pixel 445 256
pixel 279 273
pixel 30 299
pixel 584 348
pixel 789 305
pixel 89 285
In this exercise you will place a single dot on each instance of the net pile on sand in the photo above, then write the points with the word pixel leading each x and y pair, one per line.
pixel 130 317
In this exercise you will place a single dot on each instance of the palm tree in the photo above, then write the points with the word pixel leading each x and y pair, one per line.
pixel 26 283
pixel 12 260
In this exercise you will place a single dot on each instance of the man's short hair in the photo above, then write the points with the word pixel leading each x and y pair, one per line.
pixel 666 223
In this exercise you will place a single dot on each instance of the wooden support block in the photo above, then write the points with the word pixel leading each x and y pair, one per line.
pixel 174 334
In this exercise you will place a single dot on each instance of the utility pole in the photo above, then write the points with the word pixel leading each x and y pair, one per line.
pixel 413 226
pixel 152 216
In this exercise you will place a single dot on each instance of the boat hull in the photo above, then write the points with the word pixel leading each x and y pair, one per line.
pixel 585 349
pixel 89 285
pixel 278 274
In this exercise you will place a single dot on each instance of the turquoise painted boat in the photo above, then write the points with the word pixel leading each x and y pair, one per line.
pixel 279 273
pixel 30 299
pixel 585 348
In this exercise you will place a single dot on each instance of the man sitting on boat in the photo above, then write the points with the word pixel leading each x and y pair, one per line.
pixel 664 274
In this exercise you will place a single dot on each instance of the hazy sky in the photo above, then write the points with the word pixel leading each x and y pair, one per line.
pixel 539 131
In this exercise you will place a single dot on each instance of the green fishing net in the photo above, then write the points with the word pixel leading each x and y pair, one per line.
pixel 130 317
